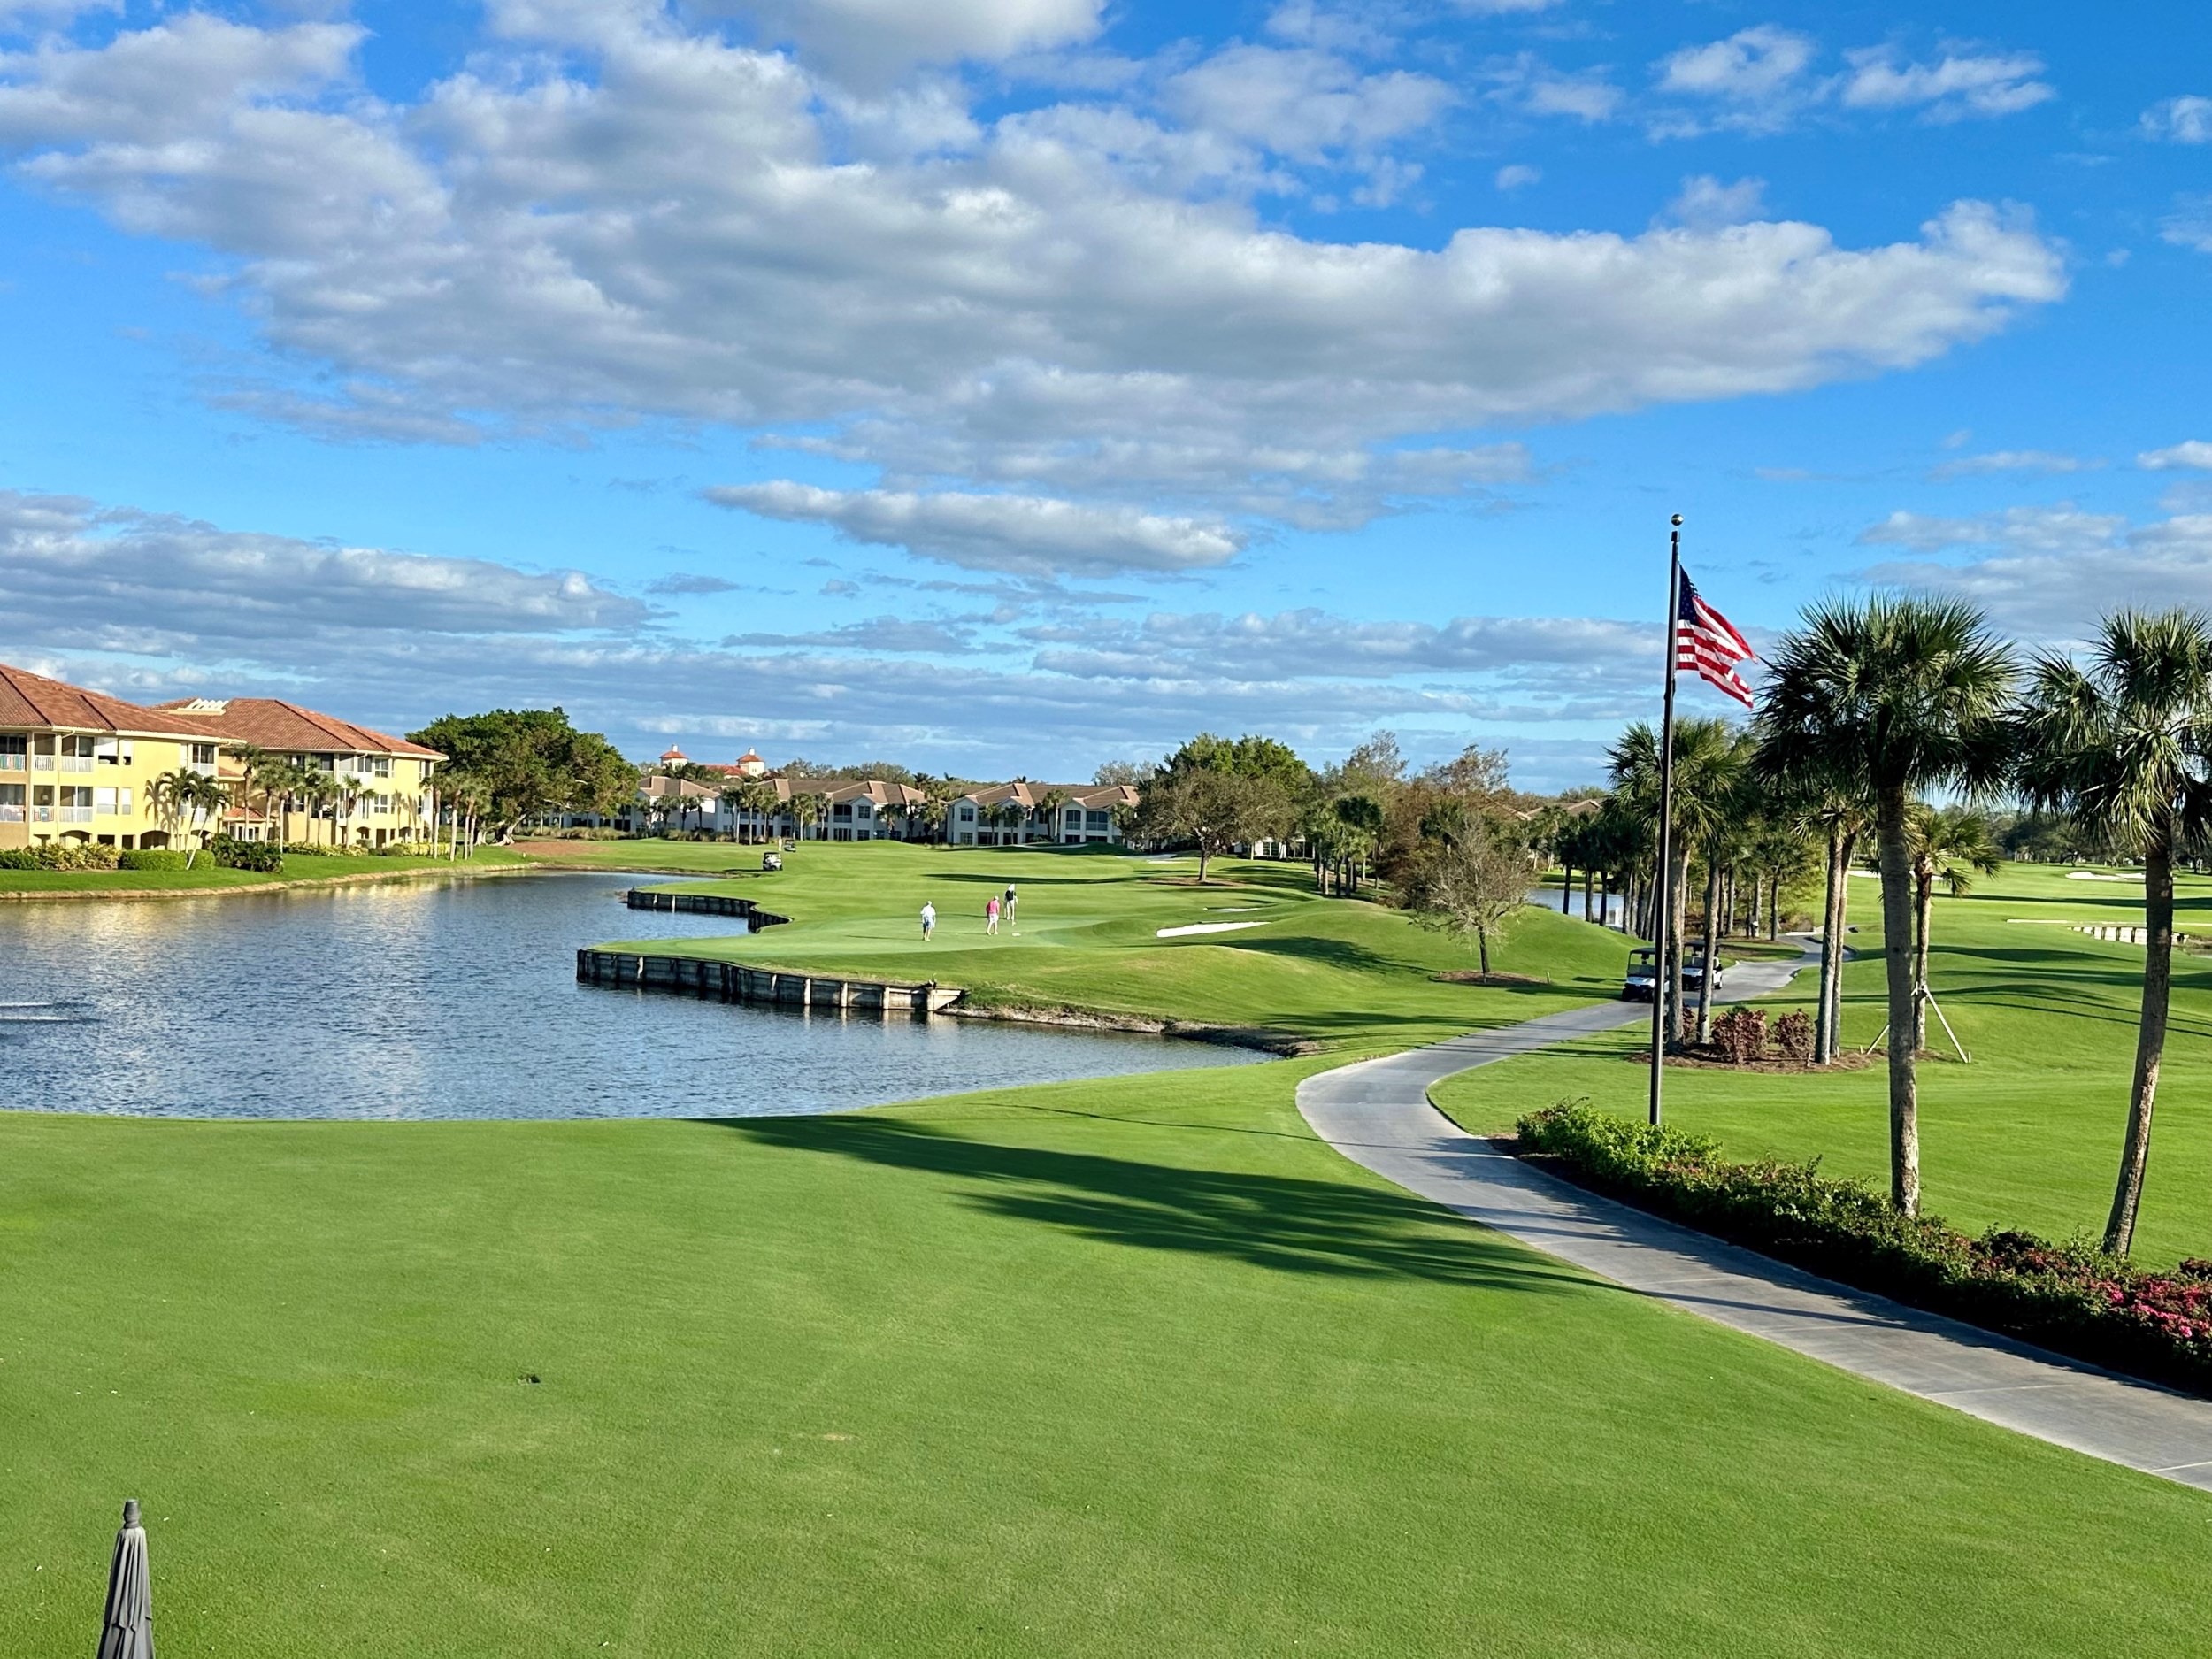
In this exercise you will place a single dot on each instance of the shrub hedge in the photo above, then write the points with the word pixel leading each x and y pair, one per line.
pixel 59 855
pixel 2069 1297
pixel 152 858
pixel 265 858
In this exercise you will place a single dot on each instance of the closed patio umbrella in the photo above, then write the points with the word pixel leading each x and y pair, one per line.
pixel 128 1633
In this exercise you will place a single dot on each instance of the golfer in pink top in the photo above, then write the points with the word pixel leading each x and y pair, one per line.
pixel 990 915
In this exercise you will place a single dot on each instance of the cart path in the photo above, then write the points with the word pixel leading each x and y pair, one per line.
pixel 1377 1113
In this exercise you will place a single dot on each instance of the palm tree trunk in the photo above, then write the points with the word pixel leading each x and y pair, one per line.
pixel 1482 947
pixel 1713 900
pixel 2150 1043
pixel 1897 958
pixel 1678 924
pixel 1589 882
pixel 1831 954
pixel 1922 909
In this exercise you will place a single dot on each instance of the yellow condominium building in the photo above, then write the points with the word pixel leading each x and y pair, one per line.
pixel 378 786
pixel 79 766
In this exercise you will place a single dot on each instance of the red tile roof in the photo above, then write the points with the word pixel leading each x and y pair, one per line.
pixel 270 723
pixel 28 699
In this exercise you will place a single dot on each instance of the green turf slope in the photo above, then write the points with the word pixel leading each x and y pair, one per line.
pixel 1333 972
pixel 1100 1368
pixel 2028 1135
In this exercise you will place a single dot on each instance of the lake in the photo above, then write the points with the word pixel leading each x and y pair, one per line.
pixel 455 999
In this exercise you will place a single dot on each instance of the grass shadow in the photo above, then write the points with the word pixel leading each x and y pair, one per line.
pixel 1286 1223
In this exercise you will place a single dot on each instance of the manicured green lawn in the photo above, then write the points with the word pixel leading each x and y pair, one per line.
pixel 2028 1135
pixel 1099 1369
pixel 205 874
pixel 1334 972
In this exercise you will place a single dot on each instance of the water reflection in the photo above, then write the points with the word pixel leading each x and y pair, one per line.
pixel 451 1000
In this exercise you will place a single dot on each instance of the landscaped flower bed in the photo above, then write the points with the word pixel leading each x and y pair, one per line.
pixel 2068 1297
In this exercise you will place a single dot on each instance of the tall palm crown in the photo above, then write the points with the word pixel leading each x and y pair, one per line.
pixel 2124 745
pixel 1890 694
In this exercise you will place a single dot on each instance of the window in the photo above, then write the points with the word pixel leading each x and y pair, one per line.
pixel 14 752
pixel 1099 820
pixel 967 815
pixel 11 803
pixel 203 754
pixel 379 765
pixel 103 802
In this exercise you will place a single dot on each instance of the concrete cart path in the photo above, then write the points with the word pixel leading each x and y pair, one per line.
pixel 1377 1113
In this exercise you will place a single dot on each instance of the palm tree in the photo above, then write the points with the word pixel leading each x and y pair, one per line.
pixel 1952 845
pixel 1008 815
pixel 2125 746
pixel 1708 764
pixel 1895 697
pixel 805 810
pixel 1050 806
pixel 1838 817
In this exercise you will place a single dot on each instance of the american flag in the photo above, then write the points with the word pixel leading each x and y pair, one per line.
pixel 1707 643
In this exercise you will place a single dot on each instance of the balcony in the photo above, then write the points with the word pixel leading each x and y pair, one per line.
pixel 41 815
pixel 76 762
pixel 10 814
pixel 41 763
pixel 72 814
pixel 13 762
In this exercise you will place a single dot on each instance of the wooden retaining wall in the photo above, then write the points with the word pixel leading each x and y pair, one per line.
pixel 701 904
pixel 736 982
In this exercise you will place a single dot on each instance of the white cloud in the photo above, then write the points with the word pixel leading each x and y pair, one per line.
pixel 2011 461
pixel 651 223
pixel 1763 79
pixel 870 42
pixel 1517 176
pixel 109 575
pixel 2052 571
pixel 1957 87
pixel 1753 65
pixel 1528 84
pixel 2183 120
pixel 1562 656
pixel 1024 534
pixel 1705 203
pixel 2191 452
pixel 2189 224
pixel 1302 104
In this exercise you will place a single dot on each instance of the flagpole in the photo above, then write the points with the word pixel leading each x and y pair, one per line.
pixel 1662 979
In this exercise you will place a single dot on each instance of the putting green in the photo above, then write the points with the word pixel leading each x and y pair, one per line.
pixel 1086 936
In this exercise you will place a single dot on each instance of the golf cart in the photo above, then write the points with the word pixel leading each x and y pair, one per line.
pixel 771 861
pixel 1636 986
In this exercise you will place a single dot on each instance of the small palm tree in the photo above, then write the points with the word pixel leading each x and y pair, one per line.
pixel 1891 698
pixel 2124 745
pixel 805 810
pixel 1952 845
pixel 1050 806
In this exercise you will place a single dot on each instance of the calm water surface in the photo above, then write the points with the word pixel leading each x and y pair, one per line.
pixel 453 999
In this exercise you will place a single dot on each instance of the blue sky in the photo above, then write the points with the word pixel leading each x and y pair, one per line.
pixel 1009 385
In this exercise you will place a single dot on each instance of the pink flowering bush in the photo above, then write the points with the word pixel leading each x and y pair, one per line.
pixel 2069 1297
